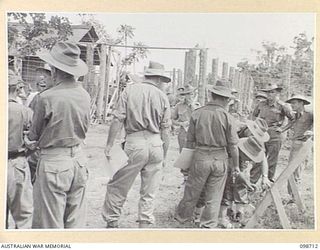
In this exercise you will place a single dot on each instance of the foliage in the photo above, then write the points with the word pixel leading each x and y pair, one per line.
pixel 34 32
pixel 124 32
pixel 273 62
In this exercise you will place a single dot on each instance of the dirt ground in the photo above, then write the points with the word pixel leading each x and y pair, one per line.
pixel 171 191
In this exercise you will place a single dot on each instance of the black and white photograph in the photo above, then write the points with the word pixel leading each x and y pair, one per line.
pixel 149 121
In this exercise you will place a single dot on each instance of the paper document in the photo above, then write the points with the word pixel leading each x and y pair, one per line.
pixel 118 159
pixel 185 159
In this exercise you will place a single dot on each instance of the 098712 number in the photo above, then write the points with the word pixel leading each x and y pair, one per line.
pixel 309 245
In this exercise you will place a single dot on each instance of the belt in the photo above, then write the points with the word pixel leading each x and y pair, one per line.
pixel 15 154
pixel 68 151
pixel 143 133
pixel 211 148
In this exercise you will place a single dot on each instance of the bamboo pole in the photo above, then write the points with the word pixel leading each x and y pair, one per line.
pixel 107 82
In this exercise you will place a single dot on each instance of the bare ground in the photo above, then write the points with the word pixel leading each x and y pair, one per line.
pixel 171 191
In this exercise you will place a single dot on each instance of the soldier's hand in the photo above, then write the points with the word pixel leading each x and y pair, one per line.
pixel 251 187
pixel 32 145
pixel 107 151
pixel 265 184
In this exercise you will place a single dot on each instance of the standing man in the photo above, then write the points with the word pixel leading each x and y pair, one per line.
pixel 44 81
pixel 301 126
pixel 182 113
pixel 19 188
pixel 274 112
pixel 211 133
pixel 60 123
pixel 145 111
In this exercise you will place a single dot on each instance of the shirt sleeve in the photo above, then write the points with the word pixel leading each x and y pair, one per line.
pixel 38 121
pixel 287 110
pixel 256 111
pixel 231 133
pixel 120 111
pixel 191 134
pixel 166 119
pixel 175 114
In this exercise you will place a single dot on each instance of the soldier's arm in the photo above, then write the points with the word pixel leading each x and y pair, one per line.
pixel 255 112
pixel 165 128
pixel 119 115
pixel 38 120
pixel 191 134
pixel 232 141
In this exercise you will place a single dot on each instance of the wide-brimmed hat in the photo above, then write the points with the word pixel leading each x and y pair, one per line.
pixel 261 94
pixel 220 89
pixel 299 97
pixel 66 57
pixel 259 129
pixel 271 87
pixel 45 69
pixel 252 148
pixel 156 69
pixel 187 89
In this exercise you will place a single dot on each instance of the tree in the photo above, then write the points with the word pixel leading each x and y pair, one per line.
pixel 35 32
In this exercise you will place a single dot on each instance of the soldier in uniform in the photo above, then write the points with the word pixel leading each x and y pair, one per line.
pixel 301 126
pixel 274 112
pixel 144 110
pixel 19 188
pixel 60 123
pixel 211 133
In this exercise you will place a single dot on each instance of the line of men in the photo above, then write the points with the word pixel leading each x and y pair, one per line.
pixel 59 125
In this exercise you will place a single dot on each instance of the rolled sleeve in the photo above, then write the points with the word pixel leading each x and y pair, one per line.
pixel 38 121
pixel 191 134
pixel 286 109
pixel 120 111
pixel 166 119
pixel 231 133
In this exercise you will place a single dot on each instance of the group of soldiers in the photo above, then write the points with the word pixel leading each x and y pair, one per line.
pixel 47 137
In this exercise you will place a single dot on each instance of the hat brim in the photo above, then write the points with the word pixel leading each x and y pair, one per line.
pixel 80 69
pixel 164 78
pixel 264 138
pixel 43 70
pixel 306 102
pixel 257 158
pixel 221 93
pixel 188 91
pixel 268 90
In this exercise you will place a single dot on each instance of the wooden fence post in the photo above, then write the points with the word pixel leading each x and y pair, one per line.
pixel 102 80
pixel 107 82
pixel 224 71
pixel 202 76
pixel 190 67
pixel 214 70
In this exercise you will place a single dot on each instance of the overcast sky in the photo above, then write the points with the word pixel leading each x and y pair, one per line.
pixel 229 36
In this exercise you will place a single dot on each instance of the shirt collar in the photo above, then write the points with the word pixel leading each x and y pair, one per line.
pixel 149 82
pixel 215 104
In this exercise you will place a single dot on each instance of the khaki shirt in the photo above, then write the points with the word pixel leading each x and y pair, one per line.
pixel 61 116
pixel 19 121
pixel 143 106
pixel 212 126
pixel 274 114
pixel 302 123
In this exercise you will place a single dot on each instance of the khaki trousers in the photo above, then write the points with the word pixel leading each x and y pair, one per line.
pixel 208 176
pixel 145 153
pixel 60 189
pixel 19 192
